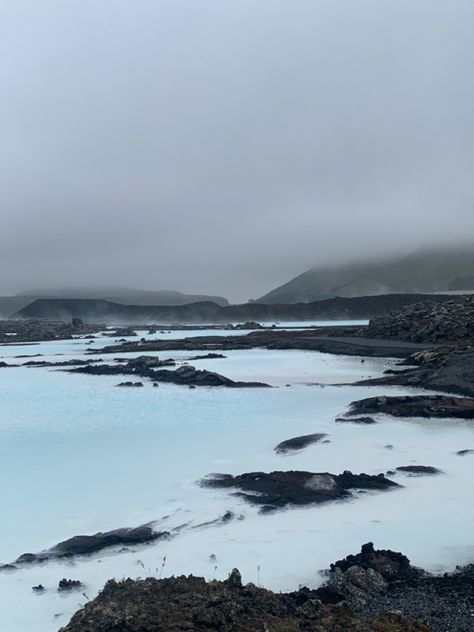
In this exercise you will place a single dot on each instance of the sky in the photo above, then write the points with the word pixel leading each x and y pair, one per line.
pixel 224 147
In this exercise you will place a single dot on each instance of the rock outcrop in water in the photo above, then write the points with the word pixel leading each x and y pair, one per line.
pixel 415 406
pixel 88 544
pixel 186 375
pixel 299 443
pixel 277 490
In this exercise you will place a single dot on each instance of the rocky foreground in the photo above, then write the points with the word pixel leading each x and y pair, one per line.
pixel 373 591
pixel 450 322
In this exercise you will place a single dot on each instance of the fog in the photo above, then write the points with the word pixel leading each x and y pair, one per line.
pixel 223 147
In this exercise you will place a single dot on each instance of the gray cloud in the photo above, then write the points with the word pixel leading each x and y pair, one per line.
pixel 223 147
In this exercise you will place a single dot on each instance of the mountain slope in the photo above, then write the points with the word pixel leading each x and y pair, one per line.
pixel 424 271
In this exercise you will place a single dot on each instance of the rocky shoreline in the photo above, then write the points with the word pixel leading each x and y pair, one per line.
pixel 372 591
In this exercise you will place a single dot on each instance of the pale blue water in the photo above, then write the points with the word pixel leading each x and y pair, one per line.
pixel 78 455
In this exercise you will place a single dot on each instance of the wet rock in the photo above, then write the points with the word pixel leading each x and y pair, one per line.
pixel 356 420
pixel 298 443
pixel 416 406
pixel 69 584
pixel 276 490
pixel 131 384
pixel 123 331
pixel 185 375
pixel 464 452
pixel 418 469
pixel 39 588
pixel 87 544
pixel 148 362
pixel 207 356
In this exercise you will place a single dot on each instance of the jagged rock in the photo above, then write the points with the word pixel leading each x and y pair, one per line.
pixel 69 584
pixel 190 603
pixel 430 322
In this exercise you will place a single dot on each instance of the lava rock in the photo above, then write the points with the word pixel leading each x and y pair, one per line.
pixel 283 489
pixel 418 469
pixel 298 443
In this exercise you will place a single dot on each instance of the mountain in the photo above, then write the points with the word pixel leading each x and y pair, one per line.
pixel 425 271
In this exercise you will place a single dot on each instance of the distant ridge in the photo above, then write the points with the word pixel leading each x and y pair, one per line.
pixel 10 305
pixel 125 295
pixel 434 270
pixel 97 310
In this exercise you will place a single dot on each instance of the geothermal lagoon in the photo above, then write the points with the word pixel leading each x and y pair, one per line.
pixel 78 456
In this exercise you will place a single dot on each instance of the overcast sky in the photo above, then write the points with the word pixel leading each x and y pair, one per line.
pixel 224 146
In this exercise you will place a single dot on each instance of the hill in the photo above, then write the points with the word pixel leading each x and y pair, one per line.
pixel 126 296
pixel 97 310
pixel 425 271
pixel 9 305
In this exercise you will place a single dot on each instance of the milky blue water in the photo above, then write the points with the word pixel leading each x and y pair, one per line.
pixel 78 455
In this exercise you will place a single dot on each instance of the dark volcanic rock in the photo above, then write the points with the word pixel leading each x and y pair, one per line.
pixel 446 369
pixel 390 565
pixel 189 375
pixel 451 321
pixel 185 375
pixel 415 406
pixel 281 489
pixel 69 584
pixel 207 356
pixel 380 581
pixel 38 589
pixel 130 384
pixel 357 420
pixel 16 331
pixel 87 544
pixel 298 443
pixel 418 469
pixel 190 603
